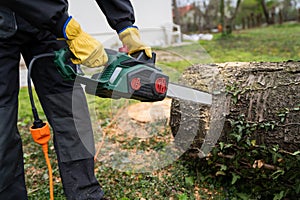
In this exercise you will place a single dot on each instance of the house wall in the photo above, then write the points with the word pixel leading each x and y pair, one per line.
pixel 154 19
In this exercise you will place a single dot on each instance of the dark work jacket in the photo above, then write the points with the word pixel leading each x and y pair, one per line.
pixel 52 14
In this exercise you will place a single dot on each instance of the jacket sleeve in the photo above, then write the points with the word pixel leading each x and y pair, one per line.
pixel 44 14
pixel 119 13
pixel 52 14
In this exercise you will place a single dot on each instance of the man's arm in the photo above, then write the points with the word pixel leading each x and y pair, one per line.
pixel 120 16
pixel 119 13
pixel 52 14
pixel 44 14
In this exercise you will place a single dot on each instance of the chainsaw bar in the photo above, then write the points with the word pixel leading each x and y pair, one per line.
pixel 188 94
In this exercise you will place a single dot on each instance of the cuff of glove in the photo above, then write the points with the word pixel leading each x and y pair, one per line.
pixel 124 29
pixel 122 26
pixel 65 27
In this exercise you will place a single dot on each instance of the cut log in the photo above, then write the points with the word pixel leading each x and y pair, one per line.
pixel 263 95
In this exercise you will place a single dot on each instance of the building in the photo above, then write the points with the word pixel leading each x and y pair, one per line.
pixel 154 19
pixel 183 3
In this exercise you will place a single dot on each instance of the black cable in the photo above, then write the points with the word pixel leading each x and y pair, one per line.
pixel 37 122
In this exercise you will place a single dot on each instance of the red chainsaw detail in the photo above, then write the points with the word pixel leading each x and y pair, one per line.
pixel 161 85
pixel 135 83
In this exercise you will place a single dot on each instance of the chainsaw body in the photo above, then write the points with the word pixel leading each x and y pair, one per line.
pixel 124 76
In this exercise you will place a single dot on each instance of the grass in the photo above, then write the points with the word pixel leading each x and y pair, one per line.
pixel 181 180
pixel 270 44
pixel 273 44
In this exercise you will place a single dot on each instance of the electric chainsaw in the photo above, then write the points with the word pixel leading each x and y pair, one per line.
pixel 129 76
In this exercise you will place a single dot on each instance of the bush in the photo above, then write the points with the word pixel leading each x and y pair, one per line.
pixel 249 171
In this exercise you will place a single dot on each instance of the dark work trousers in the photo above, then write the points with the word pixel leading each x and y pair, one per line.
pixel 66 110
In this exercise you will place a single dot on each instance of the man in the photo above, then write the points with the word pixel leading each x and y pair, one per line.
pixel 31 28
pixel 52 15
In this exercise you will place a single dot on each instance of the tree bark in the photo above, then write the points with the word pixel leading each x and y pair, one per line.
pixel 176 13
pixel 234 14
pixel 222 20
pixel 265 95
pixel 266 12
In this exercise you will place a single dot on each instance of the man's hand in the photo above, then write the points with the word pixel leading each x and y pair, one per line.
pixel 130 37
pixel 87 50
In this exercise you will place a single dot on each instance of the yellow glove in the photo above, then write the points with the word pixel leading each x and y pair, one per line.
pixel 130 37
pixel 87 50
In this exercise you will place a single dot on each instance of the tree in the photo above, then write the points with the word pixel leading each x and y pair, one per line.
pixel 265 94
pixel 228 14
pixel 176 12
pixel 206 13
pixel 265 11
pixel 222 20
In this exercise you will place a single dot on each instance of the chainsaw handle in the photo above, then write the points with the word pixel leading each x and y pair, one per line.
pixel 63 56
pixel 142 57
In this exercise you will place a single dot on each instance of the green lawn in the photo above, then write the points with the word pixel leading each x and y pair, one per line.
pixel 273 43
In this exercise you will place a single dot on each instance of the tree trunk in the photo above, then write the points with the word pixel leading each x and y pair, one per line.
pixel 280 17
pixel 234 14
pixel 176 13
pixel 222 20
pixel 265 10
pixel 262 95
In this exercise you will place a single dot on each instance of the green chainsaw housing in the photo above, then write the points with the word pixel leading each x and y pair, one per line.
pixel 124 76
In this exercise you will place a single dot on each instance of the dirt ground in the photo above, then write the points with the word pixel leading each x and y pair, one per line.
pixel 138 134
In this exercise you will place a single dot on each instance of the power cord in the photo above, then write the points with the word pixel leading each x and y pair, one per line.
pixel 40 131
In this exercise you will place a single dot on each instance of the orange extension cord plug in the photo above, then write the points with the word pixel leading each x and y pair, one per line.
pixel 41 135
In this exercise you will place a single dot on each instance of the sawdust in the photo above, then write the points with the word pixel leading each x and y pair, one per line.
pixel 138 138
pixel 146 112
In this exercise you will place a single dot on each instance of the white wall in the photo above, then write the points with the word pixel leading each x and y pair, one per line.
pixel 153 17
